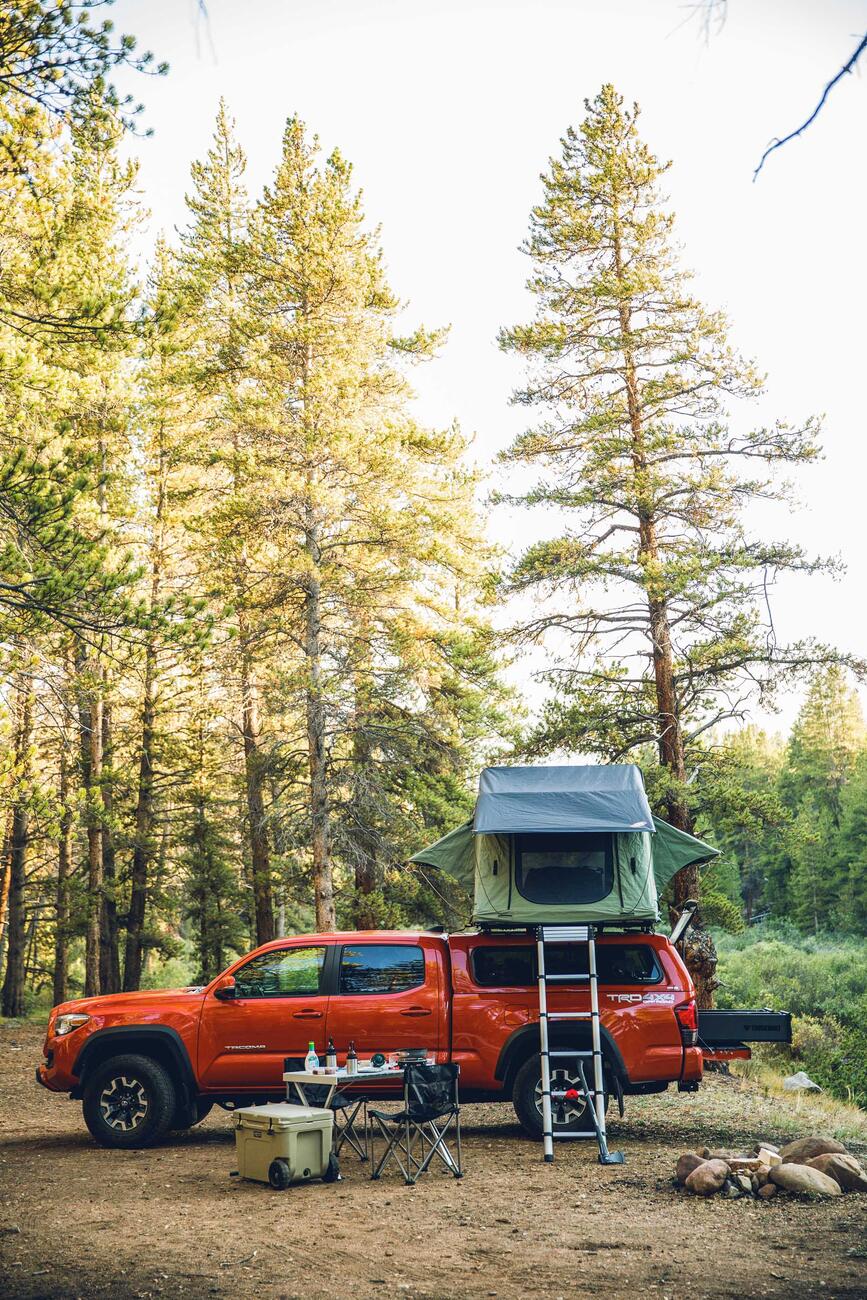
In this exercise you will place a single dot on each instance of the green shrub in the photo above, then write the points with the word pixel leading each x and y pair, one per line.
pixel 822 981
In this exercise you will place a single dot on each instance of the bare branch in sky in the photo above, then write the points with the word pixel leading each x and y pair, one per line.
pixel 847 67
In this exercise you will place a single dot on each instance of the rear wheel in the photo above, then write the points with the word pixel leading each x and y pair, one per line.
pixel 569 1115
pixel 279 1175
pixel 129 1101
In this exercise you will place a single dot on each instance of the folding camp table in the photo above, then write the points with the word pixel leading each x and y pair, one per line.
pixel 299 1079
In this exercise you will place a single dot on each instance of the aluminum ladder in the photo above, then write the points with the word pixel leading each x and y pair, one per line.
pixel 595 1097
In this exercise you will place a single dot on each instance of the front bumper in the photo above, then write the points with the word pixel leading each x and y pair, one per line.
pixel 54 1076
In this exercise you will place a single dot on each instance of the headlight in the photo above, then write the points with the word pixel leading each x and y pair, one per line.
pixel 66 1024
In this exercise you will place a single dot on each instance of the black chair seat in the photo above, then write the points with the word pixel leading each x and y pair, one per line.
pixel 415 1116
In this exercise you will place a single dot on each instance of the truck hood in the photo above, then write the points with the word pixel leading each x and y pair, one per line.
pixel 108 1002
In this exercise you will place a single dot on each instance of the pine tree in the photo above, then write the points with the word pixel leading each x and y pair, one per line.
pixel 213 268
pixel 651 579
pixel 370 517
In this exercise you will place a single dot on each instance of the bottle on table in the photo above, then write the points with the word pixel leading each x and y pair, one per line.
pixel 311 1061
pixel 352 1060
pixel 331 1055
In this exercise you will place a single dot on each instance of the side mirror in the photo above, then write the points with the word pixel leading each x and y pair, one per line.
pixel 226 989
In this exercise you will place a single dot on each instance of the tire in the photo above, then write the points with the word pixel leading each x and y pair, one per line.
pixel 573 1117
pixel 129 1102
pixel 279 1175
pixel 332 1170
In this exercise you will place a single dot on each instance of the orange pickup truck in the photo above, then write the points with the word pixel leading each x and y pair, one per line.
pixel 145 1063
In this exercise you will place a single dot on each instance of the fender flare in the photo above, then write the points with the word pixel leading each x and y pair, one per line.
pixel 128 1038
pixel 523 1043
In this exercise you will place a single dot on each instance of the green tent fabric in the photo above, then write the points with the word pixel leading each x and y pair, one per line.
pixel 673 850
pixel 454 854
pixel 471 858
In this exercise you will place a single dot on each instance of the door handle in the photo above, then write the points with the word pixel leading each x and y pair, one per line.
pixel 416 1011
pixel 307 1015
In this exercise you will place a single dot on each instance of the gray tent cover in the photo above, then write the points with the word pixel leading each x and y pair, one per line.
pixel 485 854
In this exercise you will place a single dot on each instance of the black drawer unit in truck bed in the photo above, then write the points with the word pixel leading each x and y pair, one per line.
pixel 729 1028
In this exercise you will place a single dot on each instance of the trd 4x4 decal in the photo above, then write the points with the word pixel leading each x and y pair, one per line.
pixel 649 999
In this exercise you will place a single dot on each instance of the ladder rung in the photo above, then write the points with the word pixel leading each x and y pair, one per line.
pixel 565 933
pixel 570 1015
pixel 570 1054
pixel 573 1137
pixel 562 979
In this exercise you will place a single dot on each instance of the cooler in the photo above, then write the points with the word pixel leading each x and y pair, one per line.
pixel 282 1144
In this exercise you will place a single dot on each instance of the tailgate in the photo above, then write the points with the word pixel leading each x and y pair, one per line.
pixel 731 1028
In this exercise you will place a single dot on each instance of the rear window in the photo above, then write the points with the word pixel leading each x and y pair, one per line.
pixel 564 868
pixel 515 967
pixel 381 968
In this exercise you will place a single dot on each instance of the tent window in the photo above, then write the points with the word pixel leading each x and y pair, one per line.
pixel 564 868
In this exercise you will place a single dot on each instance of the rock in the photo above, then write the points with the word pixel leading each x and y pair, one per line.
pixel 770 1156
pixel 844 1169
pixel 804 1180
pixel 743 1164
pixel 767 1146
pixel 730 1190
pixel 726 1155
pixel 795 1153
pixel 800 1082
pixel 744 1182
pixel 709 1178
pixel 686 1164
pixel 763 1175
pixel 767 1191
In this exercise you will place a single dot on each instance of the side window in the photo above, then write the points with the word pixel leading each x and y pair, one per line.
pixel 281 973
pixel 504 968
pixel 628 963
pixel 381 968
pixel 515 967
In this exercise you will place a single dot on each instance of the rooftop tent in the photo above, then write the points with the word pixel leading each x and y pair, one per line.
pixel 573 844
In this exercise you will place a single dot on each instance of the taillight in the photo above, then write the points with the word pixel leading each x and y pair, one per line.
pixel 687 1019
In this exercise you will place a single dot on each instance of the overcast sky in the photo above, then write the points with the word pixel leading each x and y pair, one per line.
pixel 449 109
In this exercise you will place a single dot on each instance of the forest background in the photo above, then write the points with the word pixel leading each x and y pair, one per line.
pixel 256 640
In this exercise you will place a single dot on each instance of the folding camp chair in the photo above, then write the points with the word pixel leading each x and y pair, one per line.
pixel 346 1109
pixel 430 1108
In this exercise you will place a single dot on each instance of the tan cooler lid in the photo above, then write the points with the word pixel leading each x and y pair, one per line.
pixel 277 1116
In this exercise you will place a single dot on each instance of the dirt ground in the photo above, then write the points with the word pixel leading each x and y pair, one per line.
pixel 76 1220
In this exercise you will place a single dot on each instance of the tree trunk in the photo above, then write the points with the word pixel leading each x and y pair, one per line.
pixel 5 877
pixel 90 731
pixel 366 873
pixel 13 983
pixel 109 957
pixel 323 883
pixel 699 949
pixel 255 780
pixel 64 871
pixel 144 817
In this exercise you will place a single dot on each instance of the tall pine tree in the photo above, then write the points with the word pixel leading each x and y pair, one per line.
pixel 651 581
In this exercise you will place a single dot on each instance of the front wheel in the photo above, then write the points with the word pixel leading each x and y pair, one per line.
pixel 129 1101
pixel 568 1115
